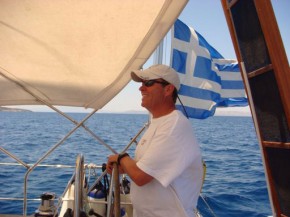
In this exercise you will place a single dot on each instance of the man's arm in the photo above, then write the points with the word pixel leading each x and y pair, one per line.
pixel 129 166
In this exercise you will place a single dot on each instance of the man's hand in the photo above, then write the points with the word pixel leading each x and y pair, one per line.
pixel 113 159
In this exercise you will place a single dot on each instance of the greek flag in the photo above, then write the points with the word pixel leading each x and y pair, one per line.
pixel 207 79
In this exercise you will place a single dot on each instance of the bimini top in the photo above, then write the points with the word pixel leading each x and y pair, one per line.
pixel 77 53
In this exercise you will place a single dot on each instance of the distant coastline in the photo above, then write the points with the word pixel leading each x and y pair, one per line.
pixel 228 111
pixel 5 109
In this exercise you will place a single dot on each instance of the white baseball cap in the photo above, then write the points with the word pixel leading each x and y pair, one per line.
pixel 157 71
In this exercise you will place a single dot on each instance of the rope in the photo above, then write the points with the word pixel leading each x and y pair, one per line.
pixel 183 107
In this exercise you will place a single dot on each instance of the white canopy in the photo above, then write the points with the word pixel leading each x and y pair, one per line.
pixel 77 52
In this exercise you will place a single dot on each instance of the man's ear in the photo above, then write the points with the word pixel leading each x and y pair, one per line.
pixel 169 89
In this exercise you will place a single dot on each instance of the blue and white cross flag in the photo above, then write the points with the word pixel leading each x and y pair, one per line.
pixel 207 79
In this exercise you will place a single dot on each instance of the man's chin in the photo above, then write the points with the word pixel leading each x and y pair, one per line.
pixel 143 105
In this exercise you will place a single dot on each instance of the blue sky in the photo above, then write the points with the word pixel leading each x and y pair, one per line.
pixel 208 19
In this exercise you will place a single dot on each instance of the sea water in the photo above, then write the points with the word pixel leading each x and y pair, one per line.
pixel 234 184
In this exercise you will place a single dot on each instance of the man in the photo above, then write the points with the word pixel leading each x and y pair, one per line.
pixel 167 170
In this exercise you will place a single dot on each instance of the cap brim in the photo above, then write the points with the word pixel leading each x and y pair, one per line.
pixel 135 75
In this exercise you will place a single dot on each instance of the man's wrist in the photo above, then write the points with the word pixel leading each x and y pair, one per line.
pixel 120 156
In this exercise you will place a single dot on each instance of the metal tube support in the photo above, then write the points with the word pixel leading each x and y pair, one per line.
pixel 14 157
pixel 158 54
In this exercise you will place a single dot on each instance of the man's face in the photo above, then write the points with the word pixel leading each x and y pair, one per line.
pixel 153 94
